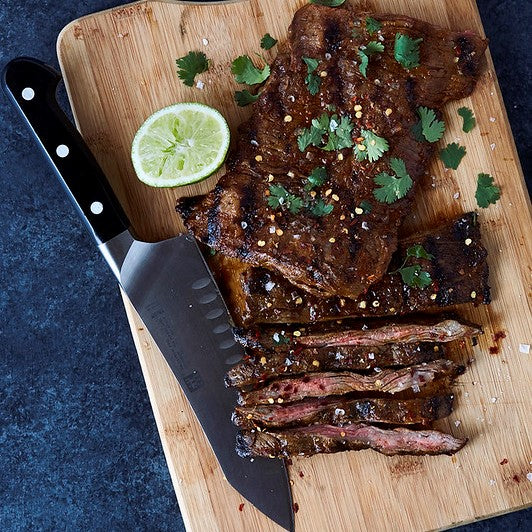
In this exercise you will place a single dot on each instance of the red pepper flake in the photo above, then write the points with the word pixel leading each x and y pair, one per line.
pixel 288 461
pixel 296 507
pixel 499 335
pixel 515 478
pixel 301 474
pixel 494 350
pixel 504 461
pixel 241 507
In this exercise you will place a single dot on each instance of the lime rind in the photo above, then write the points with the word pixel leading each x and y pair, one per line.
pixel 179 145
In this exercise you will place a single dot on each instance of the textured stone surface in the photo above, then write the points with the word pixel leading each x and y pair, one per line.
pixel 79 449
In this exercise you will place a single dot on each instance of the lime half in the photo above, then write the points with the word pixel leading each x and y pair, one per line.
pixel 179 145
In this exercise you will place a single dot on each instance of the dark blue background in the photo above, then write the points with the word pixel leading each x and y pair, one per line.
pixel 79 449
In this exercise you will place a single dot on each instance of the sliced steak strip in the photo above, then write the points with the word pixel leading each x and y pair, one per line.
pixel 341 411
pixel 341 253
pixel 262 364
pixel 390 381
pixel 459 270
pixel 307 441
pixel 444 331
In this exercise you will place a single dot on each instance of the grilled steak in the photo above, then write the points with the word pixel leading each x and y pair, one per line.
pixel 340 411
pixel 260 365
pixel 459 270
pixel 288 390
pixel 306 441
pixel 444 331
pixel 341 253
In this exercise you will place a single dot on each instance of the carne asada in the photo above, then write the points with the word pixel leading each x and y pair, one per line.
pixel 287 390
pixel 314 439
pixel 444 331
pixel 458 270
pixel 340 411
pixel 261 364
pixel 267 211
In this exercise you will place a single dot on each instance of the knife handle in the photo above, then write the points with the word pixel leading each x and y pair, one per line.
pixel 32 86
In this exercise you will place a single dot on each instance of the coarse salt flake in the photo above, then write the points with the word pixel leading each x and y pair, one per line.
pixel 524 348
pixel 493 399
pixel 456 195
pixel 457 423
pixel 269 286
pixel 339 412
pixel 200 84
pixel 529 477
pixel 492 119
pixel 492 146
pixel 205 41
pixel 492 482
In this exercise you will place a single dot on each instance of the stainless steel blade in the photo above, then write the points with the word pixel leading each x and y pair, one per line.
pixel 172 289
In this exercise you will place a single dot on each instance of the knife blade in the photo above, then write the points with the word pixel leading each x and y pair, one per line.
pixel 168 283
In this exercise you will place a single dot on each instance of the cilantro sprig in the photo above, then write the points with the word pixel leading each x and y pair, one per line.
pixel 312 80
pixel 468 117
pixel 190 65
pixel 487 193
pixel 243 98
pixel 372 25
pixel 406 50
pixel 246 72
pixel 338 132
pixel 320 208
pixel 317 177
pixel 452 154
pixel 429 127
pixel 267 42
pixel 413 275
pixel 393 187
pixel 372 146
pixel 280 197
pixel 365 52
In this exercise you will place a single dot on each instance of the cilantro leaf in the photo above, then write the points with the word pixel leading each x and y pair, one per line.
pixel 395 187
pixel 469 119
pixel 246 72
pixel 406 50
pixel 372 147
pixel 312 80
pixel 320 208
pixel 317 177
pixel 280 338
pixel 267 42
pixel 419 252
pixel 243 98
pixel 486 192
pixel 338 130
pixel 280 197
pixel 339 133
pixel 372 25
pixel 415 277
pixel 452 155
pixel 365 206
pixel 431 128
pixel 329 3
pixel 308 136
pixel 191 64
pixel 371 48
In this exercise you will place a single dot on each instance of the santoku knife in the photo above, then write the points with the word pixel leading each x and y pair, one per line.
pixel 168 283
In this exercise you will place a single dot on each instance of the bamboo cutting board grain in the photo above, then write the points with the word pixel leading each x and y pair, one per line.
pixel 119 68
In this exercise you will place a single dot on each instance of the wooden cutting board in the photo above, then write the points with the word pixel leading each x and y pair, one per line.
pixel 119 67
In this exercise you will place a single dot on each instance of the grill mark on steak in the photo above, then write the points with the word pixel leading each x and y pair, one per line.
pixel 457 270
pixel 261 364
pixel 349 265
pixel 288 390
pixel 341 411
pixel 307 441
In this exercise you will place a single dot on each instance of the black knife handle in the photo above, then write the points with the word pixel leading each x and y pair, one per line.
pixel 32 86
